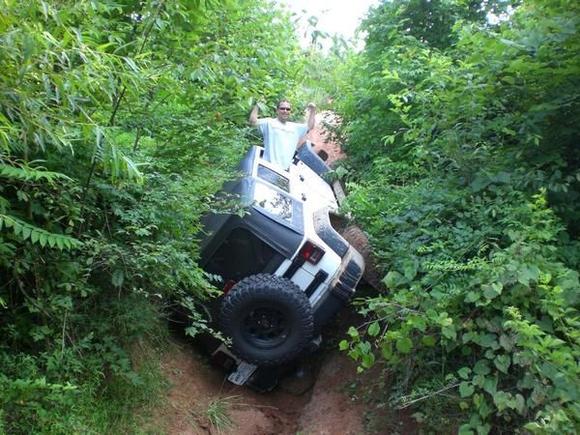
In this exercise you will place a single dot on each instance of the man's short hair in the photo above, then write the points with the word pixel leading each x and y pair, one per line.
pixel 284 100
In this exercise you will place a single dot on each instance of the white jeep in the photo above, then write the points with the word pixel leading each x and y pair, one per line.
pixel 286 271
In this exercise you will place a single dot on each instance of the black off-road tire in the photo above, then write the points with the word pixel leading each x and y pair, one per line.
pixel 268 318
pixel 358 239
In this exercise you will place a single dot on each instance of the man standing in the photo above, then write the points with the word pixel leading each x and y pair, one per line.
pixel 281 137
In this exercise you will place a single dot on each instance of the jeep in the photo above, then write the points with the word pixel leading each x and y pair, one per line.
pixel 284 268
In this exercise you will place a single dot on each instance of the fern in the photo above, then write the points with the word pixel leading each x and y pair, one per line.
pixel 4 204
pixel 26 173
pixel 114 162
pixel 25 231
pixel 120 167
pixel 451 265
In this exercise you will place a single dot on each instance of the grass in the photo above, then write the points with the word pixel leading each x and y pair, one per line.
pixel 126 405
pixel 217 412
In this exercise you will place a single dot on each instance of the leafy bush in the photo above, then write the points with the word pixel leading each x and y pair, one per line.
pixel 467 188
pixel 118 122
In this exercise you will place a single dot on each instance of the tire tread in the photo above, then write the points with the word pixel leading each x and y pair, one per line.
pixel 264 286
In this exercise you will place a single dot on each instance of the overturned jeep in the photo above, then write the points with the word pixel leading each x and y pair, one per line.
pixel 285 269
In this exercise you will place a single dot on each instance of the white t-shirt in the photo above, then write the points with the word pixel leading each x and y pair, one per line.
pixel 280 140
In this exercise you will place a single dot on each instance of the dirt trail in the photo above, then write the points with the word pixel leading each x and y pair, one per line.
pixel 196 389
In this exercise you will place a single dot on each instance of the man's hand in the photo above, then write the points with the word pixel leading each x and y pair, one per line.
pixel 253 119
pixel 311 121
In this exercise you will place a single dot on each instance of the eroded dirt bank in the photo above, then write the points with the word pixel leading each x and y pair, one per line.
pixel 319 137
pixel 317 402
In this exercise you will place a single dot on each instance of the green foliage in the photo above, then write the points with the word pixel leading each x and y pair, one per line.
pixel 118 123
pixel 24 231
pixel 25 173
pixel 468 187
pixel 61 390
pixel 431 22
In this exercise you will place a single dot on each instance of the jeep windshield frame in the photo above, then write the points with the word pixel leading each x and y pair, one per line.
pixel 273 177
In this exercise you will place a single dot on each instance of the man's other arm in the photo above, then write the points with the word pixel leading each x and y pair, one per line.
pixel 311 121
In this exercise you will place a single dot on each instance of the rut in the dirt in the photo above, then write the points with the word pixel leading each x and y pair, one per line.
pixel 312 400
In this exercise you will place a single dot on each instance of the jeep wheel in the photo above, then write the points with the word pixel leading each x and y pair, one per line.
pixel 268 318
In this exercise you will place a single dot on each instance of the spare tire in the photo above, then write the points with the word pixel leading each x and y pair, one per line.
pixel 268 318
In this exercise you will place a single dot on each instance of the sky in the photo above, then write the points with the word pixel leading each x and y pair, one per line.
pixel 335 16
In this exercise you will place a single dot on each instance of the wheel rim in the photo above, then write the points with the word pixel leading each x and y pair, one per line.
pixel 265 327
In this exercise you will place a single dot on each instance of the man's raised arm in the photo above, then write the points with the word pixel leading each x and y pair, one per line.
pixel 311 121
pixel 253 119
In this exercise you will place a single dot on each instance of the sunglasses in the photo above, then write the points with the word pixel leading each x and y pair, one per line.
pixel 286 109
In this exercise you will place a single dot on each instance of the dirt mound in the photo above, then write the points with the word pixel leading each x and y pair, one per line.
pixel 201 401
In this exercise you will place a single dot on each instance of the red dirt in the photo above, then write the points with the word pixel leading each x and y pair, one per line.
pixel 324 409
pixel 320 137
pixel 331 410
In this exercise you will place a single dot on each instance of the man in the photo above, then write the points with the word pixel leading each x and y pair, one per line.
pixel 281 137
